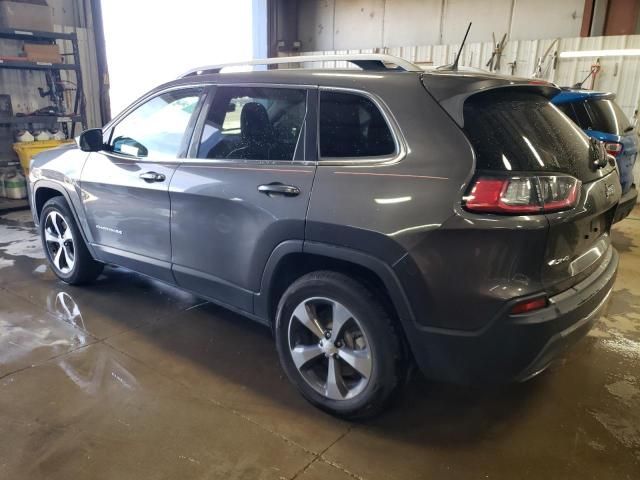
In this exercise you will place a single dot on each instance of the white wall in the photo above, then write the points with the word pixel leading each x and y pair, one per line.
pixel 350 24
pixel 406 21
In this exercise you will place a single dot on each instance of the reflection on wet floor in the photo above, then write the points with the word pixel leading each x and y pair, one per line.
pixel 130 378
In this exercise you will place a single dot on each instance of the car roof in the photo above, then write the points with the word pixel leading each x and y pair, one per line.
pixel 450 88
pixel 568 95
pixel 441 80
pixel 368 81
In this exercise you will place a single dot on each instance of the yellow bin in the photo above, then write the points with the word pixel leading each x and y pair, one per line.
pixel 26 150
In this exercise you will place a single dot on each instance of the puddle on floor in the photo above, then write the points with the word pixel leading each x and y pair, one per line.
pixel 20 242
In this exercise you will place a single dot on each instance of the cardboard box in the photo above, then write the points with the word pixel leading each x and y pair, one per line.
pixel 37 52
pixel 26 15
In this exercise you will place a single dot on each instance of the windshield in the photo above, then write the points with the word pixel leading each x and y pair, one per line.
pixel 513 131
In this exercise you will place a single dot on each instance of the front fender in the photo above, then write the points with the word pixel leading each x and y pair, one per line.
pixel 72 199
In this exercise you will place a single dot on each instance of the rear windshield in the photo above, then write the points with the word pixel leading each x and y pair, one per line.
pixel 607 116
pixel 513 131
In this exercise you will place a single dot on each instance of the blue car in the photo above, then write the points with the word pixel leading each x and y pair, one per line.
pixel 600 117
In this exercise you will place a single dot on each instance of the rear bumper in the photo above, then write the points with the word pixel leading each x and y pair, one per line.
pixel 627 202
pixel 516 347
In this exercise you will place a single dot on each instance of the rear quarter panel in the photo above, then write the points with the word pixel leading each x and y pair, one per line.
pixel 457 269
pixel 396 200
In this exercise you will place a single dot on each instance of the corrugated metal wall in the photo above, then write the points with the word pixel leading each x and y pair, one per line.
pixel 340 24
pixel 617 74
pixel 620 75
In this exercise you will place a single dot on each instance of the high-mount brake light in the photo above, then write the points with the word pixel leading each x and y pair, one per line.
pixel 523 195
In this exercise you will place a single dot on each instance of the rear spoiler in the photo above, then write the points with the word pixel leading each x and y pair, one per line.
pixel 452 89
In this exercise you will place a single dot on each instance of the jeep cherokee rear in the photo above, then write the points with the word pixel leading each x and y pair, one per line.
pixel 369 217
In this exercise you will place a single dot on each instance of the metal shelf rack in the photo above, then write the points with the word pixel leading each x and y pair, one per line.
pixel 53 70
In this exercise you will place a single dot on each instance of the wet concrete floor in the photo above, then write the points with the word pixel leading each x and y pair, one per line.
pixel 133 379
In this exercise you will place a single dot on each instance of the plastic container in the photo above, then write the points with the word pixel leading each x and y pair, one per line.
pixel 15 186
pixel 24 136
pixel 57 134
pixel 3 193
pixel 42 136
pixel 26 150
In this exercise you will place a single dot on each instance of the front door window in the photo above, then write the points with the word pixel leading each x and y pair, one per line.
pixel 156 128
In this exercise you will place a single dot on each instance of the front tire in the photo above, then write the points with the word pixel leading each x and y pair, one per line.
pixel 64 246
pixel 338 345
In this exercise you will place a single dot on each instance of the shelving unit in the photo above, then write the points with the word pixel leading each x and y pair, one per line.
pixel 78 115
pixel 25 119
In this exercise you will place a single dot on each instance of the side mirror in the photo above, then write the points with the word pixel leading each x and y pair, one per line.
pixel 91 140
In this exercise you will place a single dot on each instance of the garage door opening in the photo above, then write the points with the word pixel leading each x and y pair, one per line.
pixel 150 42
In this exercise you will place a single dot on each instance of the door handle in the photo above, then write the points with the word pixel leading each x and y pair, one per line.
pixel 278 188
pixel 152 177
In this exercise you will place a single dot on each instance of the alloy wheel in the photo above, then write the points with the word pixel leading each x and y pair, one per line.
pixel 59 242
pixel 329 348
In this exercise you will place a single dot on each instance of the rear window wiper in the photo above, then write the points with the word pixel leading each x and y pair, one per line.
pixel 628 129
pixel 597 152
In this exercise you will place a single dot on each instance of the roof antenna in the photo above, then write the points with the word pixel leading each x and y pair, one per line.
pixel 454 66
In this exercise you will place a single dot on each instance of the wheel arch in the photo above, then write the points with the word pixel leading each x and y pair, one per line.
pixel 41 196
pixel 45 190
pixel 290 260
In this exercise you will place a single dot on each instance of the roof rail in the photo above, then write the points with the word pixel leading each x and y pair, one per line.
pixel 366 61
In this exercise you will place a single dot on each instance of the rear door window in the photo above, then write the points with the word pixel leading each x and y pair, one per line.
pixel 577 111
pixel 351 125
pixel 525 132
pixel 607 116
pixel 567 109
pixel 583 119
pixel 254 123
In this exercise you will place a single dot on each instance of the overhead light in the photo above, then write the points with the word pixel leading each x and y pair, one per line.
pixel 386 201
pixel 620 52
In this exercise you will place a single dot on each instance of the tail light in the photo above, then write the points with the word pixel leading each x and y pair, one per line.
pixel 523 195
pixel 613 148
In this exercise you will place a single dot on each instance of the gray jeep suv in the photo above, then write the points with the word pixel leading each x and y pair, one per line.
pixel 372 218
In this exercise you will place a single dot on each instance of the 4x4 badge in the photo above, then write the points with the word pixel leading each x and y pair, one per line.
pixel 609 190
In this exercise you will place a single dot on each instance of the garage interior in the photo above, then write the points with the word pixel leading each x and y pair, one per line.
pixel 133 378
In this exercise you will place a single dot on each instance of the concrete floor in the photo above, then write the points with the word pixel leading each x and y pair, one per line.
pixel 132 379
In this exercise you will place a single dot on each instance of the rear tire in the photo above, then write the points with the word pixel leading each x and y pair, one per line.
pixel 338 345
pixel 64 246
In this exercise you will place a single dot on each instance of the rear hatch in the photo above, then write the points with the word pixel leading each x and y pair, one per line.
pixel 552 169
